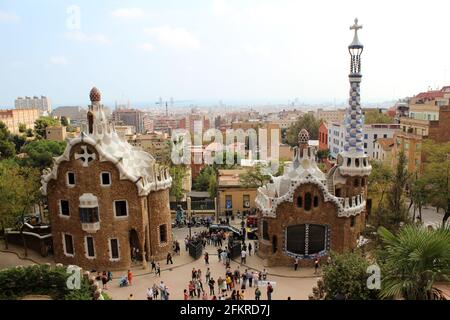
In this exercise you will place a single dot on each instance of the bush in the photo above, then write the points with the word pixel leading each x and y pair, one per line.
pixel 346 277
pixel 16 283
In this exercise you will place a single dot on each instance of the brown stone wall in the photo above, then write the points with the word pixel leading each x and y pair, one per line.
pixel 159 214
pixel 88 181
pixel 342 236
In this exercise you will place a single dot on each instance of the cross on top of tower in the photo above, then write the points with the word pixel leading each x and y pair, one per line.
pixel 356 43
pixel 356 26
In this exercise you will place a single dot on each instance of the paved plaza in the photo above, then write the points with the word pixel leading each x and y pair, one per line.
pixel 288 283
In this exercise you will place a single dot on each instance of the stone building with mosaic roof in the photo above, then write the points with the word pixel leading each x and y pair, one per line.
pixel 107 200
pixel 306 213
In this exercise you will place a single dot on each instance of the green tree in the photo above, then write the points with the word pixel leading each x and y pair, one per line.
pixel 347 276
pixel 19 191
pixel 308 122
pixel 373 116
pixel 18 141
pixel 212 187
pixel 436 172
pixel 255 177
pixel 178 173
pixel 413 261
pixel 396 196
pixel 40 153
pixel 22 127
pixel 323 154
pixel 202 181
pixel 41 124
pixel 7 147
pixel 64 121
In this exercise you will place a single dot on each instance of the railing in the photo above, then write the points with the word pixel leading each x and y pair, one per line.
pixel 90 227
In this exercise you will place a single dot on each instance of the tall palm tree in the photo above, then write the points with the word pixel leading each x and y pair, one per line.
pixel 415 259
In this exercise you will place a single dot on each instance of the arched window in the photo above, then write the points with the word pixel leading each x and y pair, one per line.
pixel 300 201
pixel 357 162
pixel 316 201
pixel 308 201
pixel 349 162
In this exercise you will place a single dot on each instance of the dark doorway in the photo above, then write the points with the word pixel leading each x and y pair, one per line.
pixel 135 247
pixel 274 244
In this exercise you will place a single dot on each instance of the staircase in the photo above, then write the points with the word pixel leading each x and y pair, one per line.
pixel 330 180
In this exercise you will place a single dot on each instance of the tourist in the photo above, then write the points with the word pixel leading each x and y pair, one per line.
pixel 244 280
pixel 163 290
pixel 237 275
pixel 257 294
pixel 104 280
pixel 264 274
pixel 224 257
pixel 185 295
pixel 158 270
pixel 177 248
pixel 199 274
pixel 228 282
pixel 211 284
pixel 130 277
pixel 186 243
pixel 150 294
pixel 214 298
pixel 153 265
pixel 223 286
pixel 155 292
pixel 296 264
pixel 243 257
pixel 250 279
pixel 316 265
pixel 169 258
pixel 191 288
pixel 208 275
pixel 166 296
pixel 110 276
pixel 206 258
pixel 242 295
pixel 255 278
pixel 198 288
pixel 289 298
pixel 205 295
pixel 219 254
pixel 250 249
pixel 130 297
pixel 269 291
pixel 233 295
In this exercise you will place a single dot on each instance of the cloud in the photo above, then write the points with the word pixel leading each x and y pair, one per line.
pixel 220 8
pixel 178 38
pixel 58 60
pixel 96 38
pixel 128 13
pixel 8 17
pixel 147 47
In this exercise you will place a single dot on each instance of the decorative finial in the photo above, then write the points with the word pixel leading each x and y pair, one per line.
pixel 95 95
pixel 303 137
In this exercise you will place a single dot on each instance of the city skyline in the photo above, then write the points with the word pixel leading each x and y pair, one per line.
pixel 216 50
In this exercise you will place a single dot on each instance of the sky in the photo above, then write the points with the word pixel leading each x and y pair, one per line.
pixel 211 50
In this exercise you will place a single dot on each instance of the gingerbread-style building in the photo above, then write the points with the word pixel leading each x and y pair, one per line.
pixel 305 213
pixel 107 199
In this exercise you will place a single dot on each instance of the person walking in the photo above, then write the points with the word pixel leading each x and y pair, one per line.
pixel 250 249
pixel 243 257
pixel 155 291
pixel 250 279
pixel 130 277
pixel 219 254
pixel 105 280
pixel 316 265
pixel 206 258
pixel 208 275
pixel 158 270
pixel 269 291
pixel 191 288
pixel 150 294
pixel 185 295
pixel 153 265
pixel 228 282
pixel 296 264
pixel 257 294
pixel 211 284
pixel 169 258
